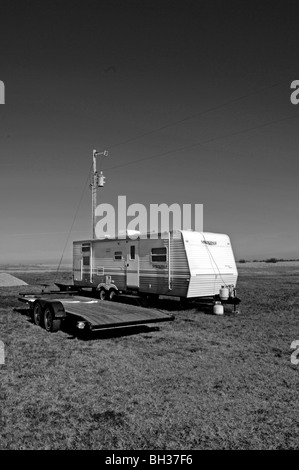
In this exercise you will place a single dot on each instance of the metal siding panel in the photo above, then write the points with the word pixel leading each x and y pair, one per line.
pixel 207 285
pixel 157 278
pixel 180 273
pixel 149 275
pixel 77 249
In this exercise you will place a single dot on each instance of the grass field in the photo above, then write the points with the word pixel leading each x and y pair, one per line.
pixel 200 382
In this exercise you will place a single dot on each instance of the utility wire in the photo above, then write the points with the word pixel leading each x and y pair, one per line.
pixel 213 139
pixel 195 115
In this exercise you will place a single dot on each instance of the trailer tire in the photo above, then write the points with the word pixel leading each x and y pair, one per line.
pixel 112 294
pixel 38 313
pixel 103 294
pixel 51 323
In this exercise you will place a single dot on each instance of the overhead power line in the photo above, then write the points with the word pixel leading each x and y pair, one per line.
pixel 196 115
pixel 196 144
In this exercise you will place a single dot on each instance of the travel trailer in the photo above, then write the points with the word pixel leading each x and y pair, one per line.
pixel 184 264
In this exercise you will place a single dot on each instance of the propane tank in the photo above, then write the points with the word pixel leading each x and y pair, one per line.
pixel 232 290
pixel 218 308
pixel 224 293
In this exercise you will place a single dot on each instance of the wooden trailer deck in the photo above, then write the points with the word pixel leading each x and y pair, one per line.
pixel 101 314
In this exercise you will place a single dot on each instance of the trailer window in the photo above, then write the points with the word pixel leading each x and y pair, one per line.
pixel 118 255
pixel 85 248
pixel 159 255
pixel 132 252
pixel 86 260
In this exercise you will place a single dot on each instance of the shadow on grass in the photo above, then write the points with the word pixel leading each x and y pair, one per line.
pixel 196 306
pixel 23 311
pixel 169 305
pixel 204 306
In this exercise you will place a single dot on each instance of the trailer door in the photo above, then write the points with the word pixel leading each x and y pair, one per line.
pixel 86 262
pixel 132 265
pixel 78 269
pixel 77 261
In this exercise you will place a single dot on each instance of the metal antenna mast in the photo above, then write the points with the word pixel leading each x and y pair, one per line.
pixel 97 181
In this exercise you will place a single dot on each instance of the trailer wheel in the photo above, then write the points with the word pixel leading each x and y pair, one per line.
pixel 103 294
pixel 38 313
pixel 51 323
pixel 112 294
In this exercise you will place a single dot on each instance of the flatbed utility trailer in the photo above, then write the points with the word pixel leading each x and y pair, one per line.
pixel 50 309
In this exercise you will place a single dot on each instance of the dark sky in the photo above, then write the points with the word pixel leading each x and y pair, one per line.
pixel 197 94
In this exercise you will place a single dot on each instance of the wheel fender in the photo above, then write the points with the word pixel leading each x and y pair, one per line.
pixel 107 287
pixel 58 309
pixel 42 303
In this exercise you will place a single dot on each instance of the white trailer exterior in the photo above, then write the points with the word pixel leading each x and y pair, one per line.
pixel 184 264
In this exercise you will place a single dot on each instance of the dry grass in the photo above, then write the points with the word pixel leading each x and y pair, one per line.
pixel 200 382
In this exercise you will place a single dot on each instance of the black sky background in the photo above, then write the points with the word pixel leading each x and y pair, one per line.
pixel 237 35
pixel 83 75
